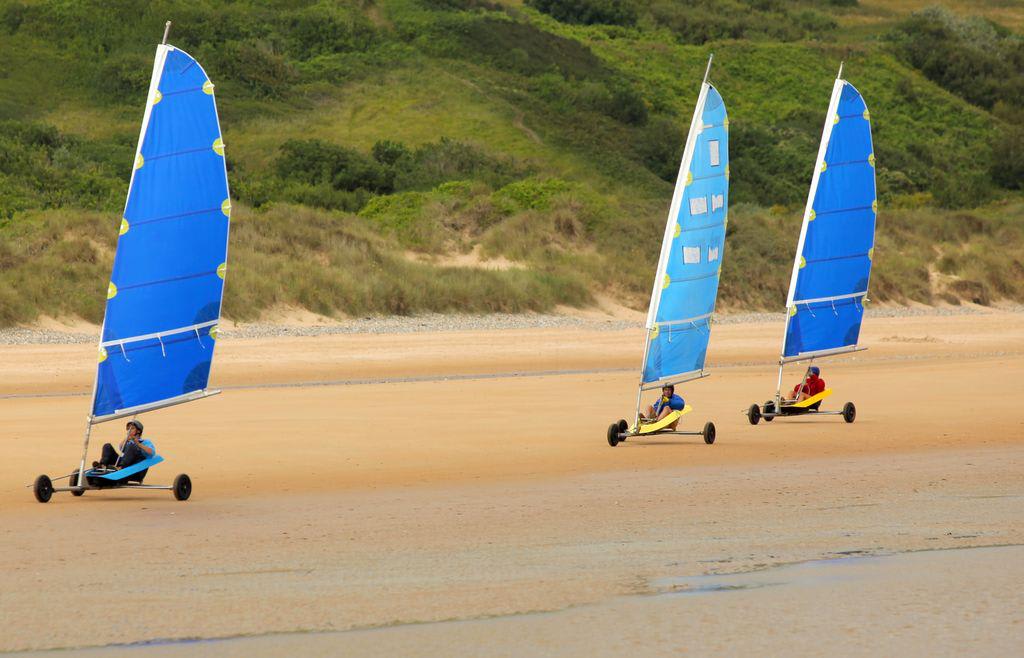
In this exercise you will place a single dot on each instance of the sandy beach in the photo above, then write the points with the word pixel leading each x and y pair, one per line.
pixel 451 492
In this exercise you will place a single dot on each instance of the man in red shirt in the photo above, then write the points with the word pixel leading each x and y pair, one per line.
pixel 811 386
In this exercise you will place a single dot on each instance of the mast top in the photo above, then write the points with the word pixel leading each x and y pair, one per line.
pixel 167 30
pixel 839 76
pixel 708 69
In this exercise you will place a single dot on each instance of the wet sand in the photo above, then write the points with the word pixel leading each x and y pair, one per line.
pixel 486 489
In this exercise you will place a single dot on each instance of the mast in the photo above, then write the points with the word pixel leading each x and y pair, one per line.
pixel 826 134
pixel 666 241
pixel 154 83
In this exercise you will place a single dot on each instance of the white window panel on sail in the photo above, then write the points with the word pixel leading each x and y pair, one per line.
pixel 691 255
pixel 713 153
pixel 712 254
pixel 717 201
pixel 699 205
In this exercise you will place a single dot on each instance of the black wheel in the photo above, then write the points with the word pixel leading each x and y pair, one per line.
pixel 43 489
pixel 182 487
pixel 849 412
pixel 623 425
pixel 73 481
pixel 613 434
pixel 754 414
pixel 769 408
pixel 709 432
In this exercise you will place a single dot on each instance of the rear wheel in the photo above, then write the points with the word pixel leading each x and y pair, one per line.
pixel 849 412
pixel 613 434
pixel 73 481
pixel 623 425
pixel 43 489
pixel 769 409
pixel 754 414
pixel 709 432
pixel 182 487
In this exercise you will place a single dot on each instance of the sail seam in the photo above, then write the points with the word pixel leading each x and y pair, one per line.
pixel 199 149
pixel 182 91
pixel 684 229
pixel 694 278
pixel 834 258
pixel 183 277
pixel 841 210
pixel 848 162
pixel 193 213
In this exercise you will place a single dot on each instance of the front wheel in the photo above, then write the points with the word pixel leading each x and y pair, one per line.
pixel 73 481
pixel 182 487
pixel 613 434
pixel 754 414
pixel 709 432
pixel 849 412
pixel 769 411
pixel 623 425
pixel 43 489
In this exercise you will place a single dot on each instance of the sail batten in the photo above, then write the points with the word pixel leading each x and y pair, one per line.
pixel 832 264
pixel 166 288
pixel 686 281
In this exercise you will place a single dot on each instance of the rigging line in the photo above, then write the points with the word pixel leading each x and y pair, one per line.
pixel 125 354
pixel 162 350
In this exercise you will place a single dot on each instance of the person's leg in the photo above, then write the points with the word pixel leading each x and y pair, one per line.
pixel 650 411
pixel 666 410
pixel 109 455
pixel 132 455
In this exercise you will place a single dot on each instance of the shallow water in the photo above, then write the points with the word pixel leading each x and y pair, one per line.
pixel 948 602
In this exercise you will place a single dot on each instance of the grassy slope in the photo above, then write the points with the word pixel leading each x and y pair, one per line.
pixel 586 215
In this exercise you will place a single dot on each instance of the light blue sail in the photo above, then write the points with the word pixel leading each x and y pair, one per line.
pixel 833 264
pixel 686 286
pixel 164 296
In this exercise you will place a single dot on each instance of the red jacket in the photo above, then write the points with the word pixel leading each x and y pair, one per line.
pixel 813 386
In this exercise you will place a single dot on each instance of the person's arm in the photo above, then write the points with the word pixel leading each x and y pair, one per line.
pixel 146 449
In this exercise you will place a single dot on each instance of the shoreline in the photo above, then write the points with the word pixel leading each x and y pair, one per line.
pixel 439 322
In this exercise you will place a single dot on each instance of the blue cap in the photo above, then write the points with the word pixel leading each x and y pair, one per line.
pixel 814 370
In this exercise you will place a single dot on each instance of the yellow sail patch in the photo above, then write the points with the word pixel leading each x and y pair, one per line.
pixel 221 269
pixel 792 311
pixel 218 146
pixel 835 120
pixel 102 355
pixel 689 177
pixel 124 227
pixel 207 87
pixel 871 159
pixel 867 115
pixel 871 253
pixel 139 161
pixel 655 331
pixel 725 124
pixel 157 96
pixel 668 280
pixel 679 229
pixel 225 207
pixel 726 172
pixel 811 217
pixel 874 206
pixel 213 332
pixel 823 166
pixel 111 290
pixel 803 262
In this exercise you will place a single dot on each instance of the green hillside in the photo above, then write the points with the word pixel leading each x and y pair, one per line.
pixel 369 141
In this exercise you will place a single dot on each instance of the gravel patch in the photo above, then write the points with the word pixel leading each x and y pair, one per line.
pixel 437 322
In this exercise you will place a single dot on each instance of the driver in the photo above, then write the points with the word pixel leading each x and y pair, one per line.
pixel 133 449
pixel 811 386
pixel 666 404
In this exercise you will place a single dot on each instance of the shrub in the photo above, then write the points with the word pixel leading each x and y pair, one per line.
pixel 315 162
pixel 589 12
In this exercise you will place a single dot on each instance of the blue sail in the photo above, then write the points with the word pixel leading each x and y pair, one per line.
pixel 164 296
pixel 833 260
pixel 686 285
